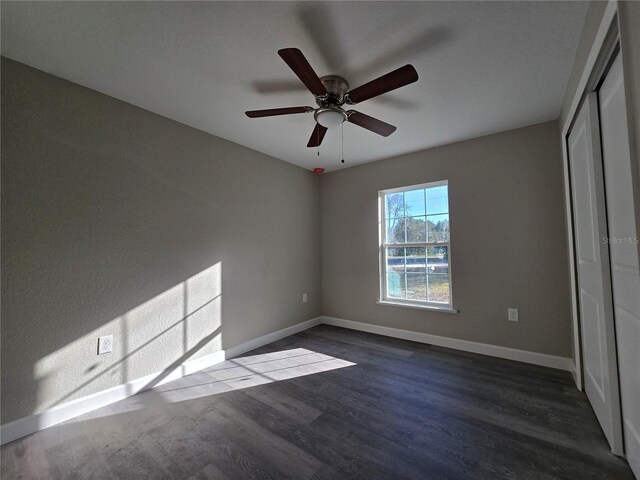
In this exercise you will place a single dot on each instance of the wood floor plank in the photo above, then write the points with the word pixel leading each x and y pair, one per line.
pixel 330 403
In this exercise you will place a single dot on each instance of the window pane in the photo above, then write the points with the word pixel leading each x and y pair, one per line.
pixel 438 259
pixel 417 215
pixel 438 288
pixel 394 205
pixel 438 228
pixel 416 286
pixel 395 230
pixel 437 200
pixel 416 259
pixel 395 285
pixel 414 203
pixel 416 229
pixel 395 260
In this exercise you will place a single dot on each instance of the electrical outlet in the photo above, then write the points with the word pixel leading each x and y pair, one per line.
pixel 304 298
pixel 512 314
pixel 105 344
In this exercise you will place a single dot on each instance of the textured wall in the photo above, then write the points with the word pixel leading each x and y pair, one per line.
pixel 118 221
pixel 508 240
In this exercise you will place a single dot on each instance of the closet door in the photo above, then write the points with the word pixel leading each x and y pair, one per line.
pixel 623 238
pixel 594 280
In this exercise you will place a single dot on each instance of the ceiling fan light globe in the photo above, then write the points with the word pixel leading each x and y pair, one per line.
pixel 330 118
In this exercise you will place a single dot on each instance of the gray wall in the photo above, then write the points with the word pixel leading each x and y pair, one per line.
pixel 508 240
pixel 119 221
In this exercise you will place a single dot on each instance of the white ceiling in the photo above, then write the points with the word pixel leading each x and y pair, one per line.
pixel 484 67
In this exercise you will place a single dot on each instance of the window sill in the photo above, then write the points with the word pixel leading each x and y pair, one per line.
pixel 433 308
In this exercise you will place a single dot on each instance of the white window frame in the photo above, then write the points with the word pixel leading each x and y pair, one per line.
pixel 384 299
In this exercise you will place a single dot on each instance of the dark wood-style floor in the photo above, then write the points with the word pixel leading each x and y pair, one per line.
pixel 330 403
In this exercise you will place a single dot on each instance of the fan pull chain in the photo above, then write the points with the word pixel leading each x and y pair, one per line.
pixel 342 142
pixel 318 139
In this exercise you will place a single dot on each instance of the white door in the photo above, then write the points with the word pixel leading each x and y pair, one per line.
pixel 623 239
pixel 594 279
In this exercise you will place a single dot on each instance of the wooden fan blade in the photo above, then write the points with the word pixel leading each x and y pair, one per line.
pixel 300 66
pixel 370 123
pixel 317 136
pixel 277 111
pixel 392 80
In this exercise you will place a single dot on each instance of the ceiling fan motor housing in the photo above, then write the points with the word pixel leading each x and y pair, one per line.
pixel 336 87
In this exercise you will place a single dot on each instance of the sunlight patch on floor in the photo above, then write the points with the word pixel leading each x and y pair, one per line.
pixel 251 371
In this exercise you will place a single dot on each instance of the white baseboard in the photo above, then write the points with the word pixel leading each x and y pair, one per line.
pixel 271 337
pixel 542 359
pixel 574 374
pixel 66 411
pixel 74 408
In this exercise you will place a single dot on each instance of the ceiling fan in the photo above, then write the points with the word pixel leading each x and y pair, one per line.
pixel 332 92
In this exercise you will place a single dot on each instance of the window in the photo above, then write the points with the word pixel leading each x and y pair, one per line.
pixel 414 246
